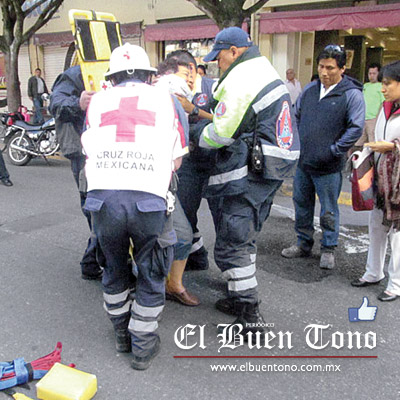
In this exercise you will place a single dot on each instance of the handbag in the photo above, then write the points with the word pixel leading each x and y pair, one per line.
pixel 362 180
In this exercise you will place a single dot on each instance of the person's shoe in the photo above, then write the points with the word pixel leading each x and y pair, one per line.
pixel 358 283
pixel 327 260
pixel 142 363
pixel 295 252
pixel 387 297
pixel 251 320
pixel 226 306
pixel 123 341
pixel 92 274
pixel 6 182
pixel 185 298
pixel 197 261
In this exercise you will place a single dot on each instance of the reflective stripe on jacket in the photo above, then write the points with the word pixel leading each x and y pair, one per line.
pixel 251 99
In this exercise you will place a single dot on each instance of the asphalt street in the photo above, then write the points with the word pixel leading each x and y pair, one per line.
pixel 44 300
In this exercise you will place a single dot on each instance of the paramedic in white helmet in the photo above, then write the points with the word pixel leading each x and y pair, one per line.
pixel 136 137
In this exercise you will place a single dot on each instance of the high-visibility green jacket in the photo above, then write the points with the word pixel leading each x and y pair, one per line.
pixel 251 98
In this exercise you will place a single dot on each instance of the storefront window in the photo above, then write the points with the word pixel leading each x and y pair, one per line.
pixel 2 72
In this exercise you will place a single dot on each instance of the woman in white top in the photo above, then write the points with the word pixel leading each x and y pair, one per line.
pixel 384 221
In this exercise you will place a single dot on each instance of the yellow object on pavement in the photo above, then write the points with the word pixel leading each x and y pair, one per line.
pixel 20 396
pixel 66 383
pixel 96 35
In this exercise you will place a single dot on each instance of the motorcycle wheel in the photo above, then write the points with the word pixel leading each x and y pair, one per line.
pixel 18 157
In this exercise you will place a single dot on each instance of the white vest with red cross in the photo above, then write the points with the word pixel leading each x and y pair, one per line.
pixel 133 137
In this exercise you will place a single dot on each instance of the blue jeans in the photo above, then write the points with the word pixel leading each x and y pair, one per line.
pixel 38 103
pixel 327 187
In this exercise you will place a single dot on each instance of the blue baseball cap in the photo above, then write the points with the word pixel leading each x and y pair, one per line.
pixel 232 36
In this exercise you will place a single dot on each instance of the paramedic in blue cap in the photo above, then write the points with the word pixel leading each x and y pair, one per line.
pixel 228 37
pixel 257 147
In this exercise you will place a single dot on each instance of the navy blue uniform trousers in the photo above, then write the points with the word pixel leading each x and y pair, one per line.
pixel 239 220
pixel 118 216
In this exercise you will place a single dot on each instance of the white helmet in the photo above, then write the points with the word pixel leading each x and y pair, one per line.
pixel 128 57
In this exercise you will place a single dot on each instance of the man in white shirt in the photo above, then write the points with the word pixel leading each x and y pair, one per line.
pixel 293 85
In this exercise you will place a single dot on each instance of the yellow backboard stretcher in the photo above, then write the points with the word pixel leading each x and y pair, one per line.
pixel 96 35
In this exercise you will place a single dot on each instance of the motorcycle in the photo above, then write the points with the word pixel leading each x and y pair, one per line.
pixel 6 120
pixel 23 140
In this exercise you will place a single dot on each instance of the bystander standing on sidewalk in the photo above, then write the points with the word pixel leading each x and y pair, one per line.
pixel 293 85
pixel 36 87
pixel 373 102
pixel 384 219
pixel 330 117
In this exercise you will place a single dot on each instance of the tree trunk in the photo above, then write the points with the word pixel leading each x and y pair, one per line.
pixel 224 21
pixel 227 13
pixel 13 84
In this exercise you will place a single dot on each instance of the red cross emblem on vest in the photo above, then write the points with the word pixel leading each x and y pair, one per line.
pixel 127 117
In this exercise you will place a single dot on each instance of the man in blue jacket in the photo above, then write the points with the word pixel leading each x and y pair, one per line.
pixel 68 104
pixel 330 118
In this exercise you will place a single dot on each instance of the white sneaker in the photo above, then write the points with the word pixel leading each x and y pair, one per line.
pixel 327 260
pixel 295 252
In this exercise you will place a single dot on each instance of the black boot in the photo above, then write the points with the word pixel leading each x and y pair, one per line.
pixel 144 362
pixel 197 261
pixel 123 341
pixel 250 318
pixel 227 306
pixel 91 272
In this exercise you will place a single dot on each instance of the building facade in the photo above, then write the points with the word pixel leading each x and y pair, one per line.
pixel 289 32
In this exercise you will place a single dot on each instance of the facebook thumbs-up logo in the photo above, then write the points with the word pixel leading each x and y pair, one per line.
pixel 364 313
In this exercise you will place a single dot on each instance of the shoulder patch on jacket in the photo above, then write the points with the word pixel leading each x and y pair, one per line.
pixel 284 131
pixel 201 100
pixel 221 109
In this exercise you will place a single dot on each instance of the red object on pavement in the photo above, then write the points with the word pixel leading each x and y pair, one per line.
pixel 39 367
